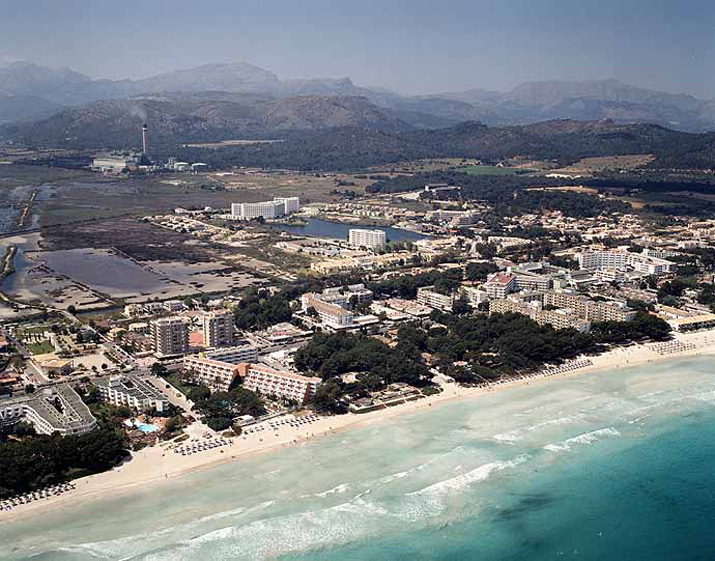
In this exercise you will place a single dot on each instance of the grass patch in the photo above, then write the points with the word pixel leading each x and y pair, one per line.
pixel 42 348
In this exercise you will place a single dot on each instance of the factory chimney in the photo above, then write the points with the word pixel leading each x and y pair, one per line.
pixel 145 128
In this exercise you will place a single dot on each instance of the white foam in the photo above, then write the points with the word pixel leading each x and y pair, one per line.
pixel 480 473
pixel 516 435
pixel 342 488
pixel 582 440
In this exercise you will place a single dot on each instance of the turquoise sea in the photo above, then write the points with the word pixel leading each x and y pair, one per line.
pixel 608 466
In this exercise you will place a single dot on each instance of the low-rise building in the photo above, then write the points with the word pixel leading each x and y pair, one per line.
pixel 233 355
pixel 133 392
pixel 51 409
pixel 427 296
pixel 216 375
pixel 281 384
pixel 499 285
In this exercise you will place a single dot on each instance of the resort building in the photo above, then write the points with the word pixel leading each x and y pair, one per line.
pixel 233 355
pixel 52 409
pixel 218 328
pixel 375 240
pixel 499 285
pixel 532 282
pixel 354 294
pixel 133 392
pixel 692 323
pixel 170 336
pixel 646 262
pixel 589 309
pixel 563 318
pixel 216 375
pixel 290 204
pixel 330 315
pixel 427 296
pixel 602 259
pixel 281 384
pixel 267 209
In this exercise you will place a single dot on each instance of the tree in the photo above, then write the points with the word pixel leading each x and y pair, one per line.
pixel 461 306
pixel 29 388
pixel 328 398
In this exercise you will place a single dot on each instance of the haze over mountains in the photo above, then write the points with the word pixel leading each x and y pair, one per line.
pixel 218 101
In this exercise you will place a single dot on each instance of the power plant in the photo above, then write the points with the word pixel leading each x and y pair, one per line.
pixel 145 129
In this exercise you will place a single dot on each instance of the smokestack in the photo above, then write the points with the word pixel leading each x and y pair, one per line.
pixel 145 128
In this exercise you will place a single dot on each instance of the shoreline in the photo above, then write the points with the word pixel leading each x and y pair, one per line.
pixel 160 464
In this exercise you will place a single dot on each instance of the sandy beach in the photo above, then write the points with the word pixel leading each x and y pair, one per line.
pixel 152 466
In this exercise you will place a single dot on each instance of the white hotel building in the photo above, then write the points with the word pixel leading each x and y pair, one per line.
pixel 277 208
pixel 371 239
pixel 270 382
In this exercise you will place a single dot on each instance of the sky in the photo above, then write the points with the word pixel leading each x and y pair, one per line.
pixel 412 47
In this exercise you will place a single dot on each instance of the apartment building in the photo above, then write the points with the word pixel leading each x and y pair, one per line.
pixel 564 318
pixel 270 382
pixel 588 309
pixel 216 375
pixel 133 392
pixel 218 330
pixel 499 285
pixel 266 209
pixel 427 296
pixel 170 336
pixel 375 240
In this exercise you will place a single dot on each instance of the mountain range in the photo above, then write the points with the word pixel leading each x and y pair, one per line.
pixel 63 107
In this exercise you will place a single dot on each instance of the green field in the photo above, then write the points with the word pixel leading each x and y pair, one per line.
pixel 488 170
pixel 42 348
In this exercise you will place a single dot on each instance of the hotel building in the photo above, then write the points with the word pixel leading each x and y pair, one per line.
pixel 267 209
pixel 270 382
pixel 132 392
pixel 375 240
pixel 499 285
pixel 52 409
pixel 426 295
pixel 216 375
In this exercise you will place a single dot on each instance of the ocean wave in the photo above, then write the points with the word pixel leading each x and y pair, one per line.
pixel 342 488
pixel 582 440
pixel 473 476
pixel 513 436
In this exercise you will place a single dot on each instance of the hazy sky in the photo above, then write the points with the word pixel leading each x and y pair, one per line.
pixel 411 46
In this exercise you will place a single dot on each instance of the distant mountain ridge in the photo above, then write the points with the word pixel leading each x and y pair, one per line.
pixel 35 90
pixel 176 119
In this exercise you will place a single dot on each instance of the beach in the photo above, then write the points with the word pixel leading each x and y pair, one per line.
pixel 154 465
pixel 534 472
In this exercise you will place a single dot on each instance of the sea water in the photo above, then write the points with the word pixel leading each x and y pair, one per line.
pixel 611 465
